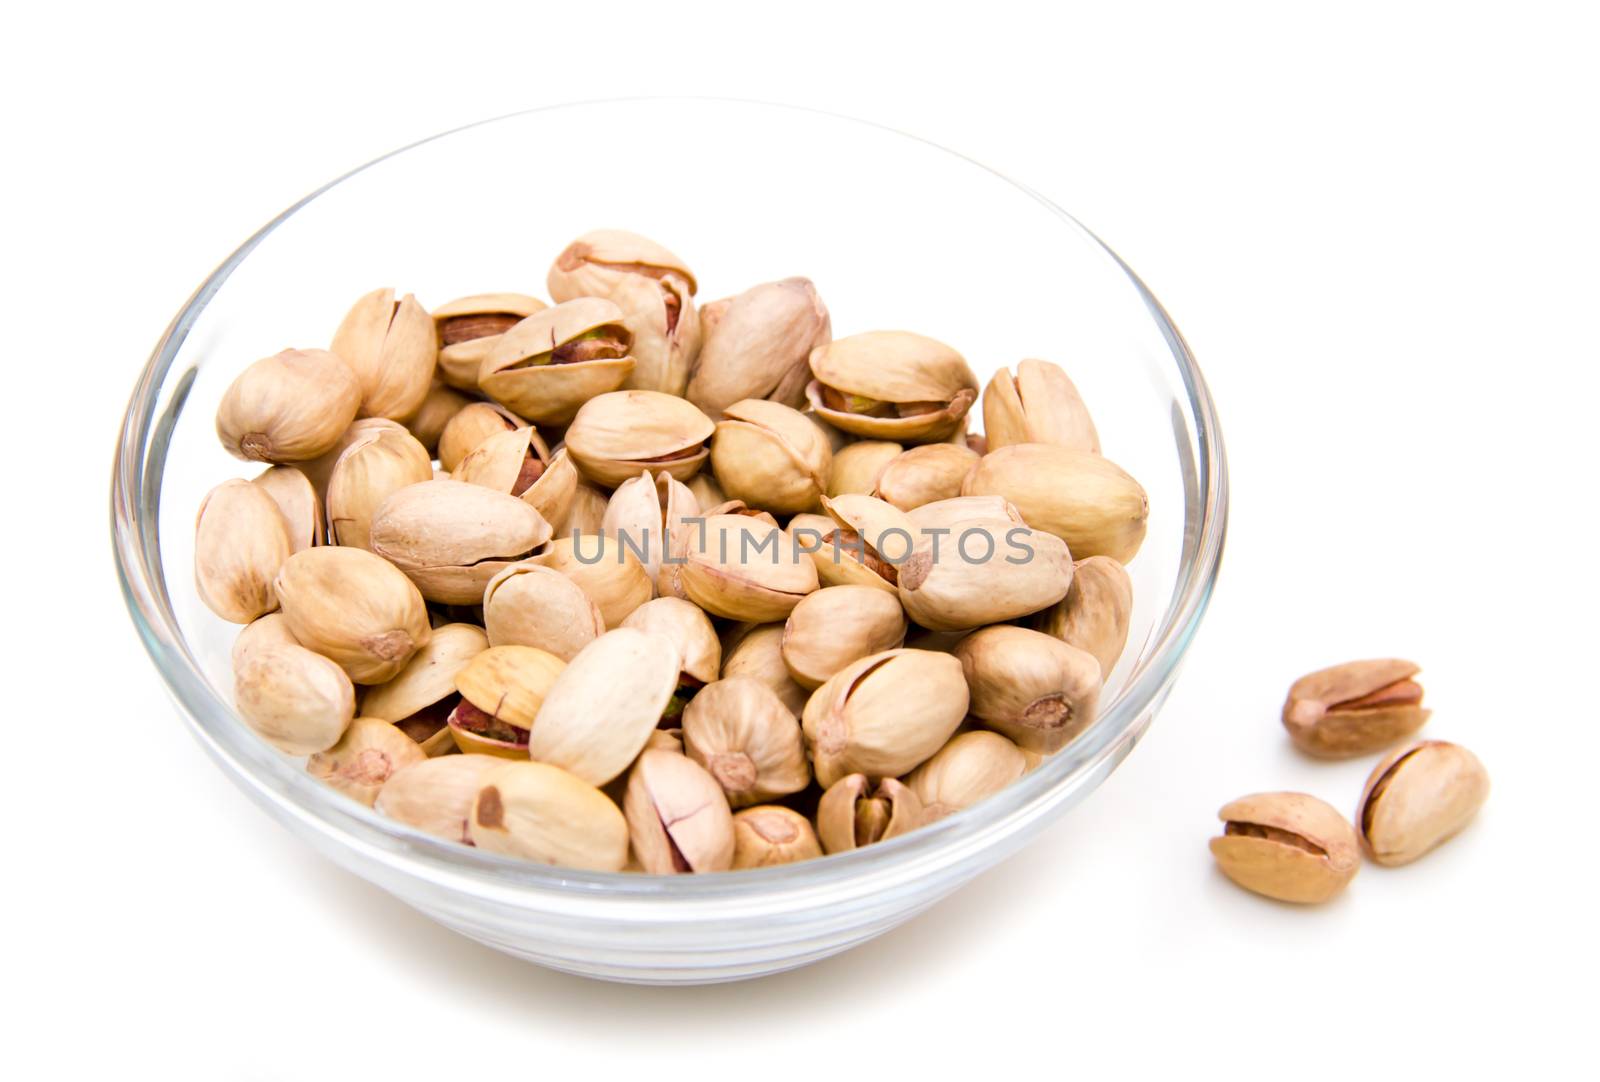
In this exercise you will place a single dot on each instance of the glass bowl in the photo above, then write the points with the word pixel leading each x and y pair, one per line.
pixel 896 232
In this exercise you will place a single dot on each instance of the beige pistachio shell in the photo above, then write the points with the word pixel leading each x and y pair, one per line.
pixel 666 740
pixel 435 796
pixel 1355 709
pixel 983 572
pixel 588 265
pixel 854 812
pixel 440 404
pixel 741 732
pixel 541 813
pixel 877 537
pixel 1029 686
pixel 923 386
pixel 743 569
pixel 379 463
pixel 429 676
pixel 757 345
pixel 523 372
pixel 298 502
pixel 586 516
pixel 884 714
pixel 856 466
pixel 295 700
pixel 925 474
pixel 512 462
pixel 1037 405
pixel 1096 613
pixel 1419 797
pixel 1287 846
pixel 510 683
pixel 677 818
pixel 758 653
pixel 353 607
pixel 689 629
pixel 1085 499
pixel 240 542
pixel 838 625
pixel 365 757
pixel 452 538
pixel 469 327
pixel 770 456
pixel 972 766
pixel 770 834
pixel 290 407
pixel 555 492
pixel 706 491
pixel 466 430
pixel 646 513
pixel 269 630
pixel 607 572
pixel 390 346
pixel 320 469
pixel 616 436
pixel 955 514
pixel 604 705
pixel 531 605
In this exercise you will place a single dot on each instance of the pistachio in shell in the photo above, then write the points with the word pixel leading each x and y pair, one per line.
pixel 647 514
pixel 741 732
pixel 1096 613
pixel 390 346
pixel 551 363
pixel 770 456
pixel 512 462
pixel 689 629
pixel 619 435
pixel 884 714
pixel 1287 846
pixel 421 697
pixel 743 569
pixel 269 630
pixel 770 834
pixel 435 796
pixel 295 700
pixel 1040 404
pixel 530 605
pixel 365 757
pixel 1355 708
pixel 1029 686
pixel 290 407
pixel 1085 499
pixel 376 465
pixel 972 766
pixel 441 403
pixel 678 820
pixel 757 344
pixel 298 502
pixel 470 427
pixel 541 813
pixel 502 690
pixel 706 491
pixel 757 651
pixel 837 625
pixel 468 329
pixel 892 385
pixel 587 513
pixel 452 538
pixel 1419 797
pixel 606 571
pixel 857 466
pixel 854 812
pixel 862 543
pixel 240 542
pixel 925 474
pixel 355 608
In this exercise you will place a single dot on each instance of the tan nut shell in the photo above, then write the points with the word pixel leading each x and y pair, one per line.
pixel 837 625
pixel 551 394
pixel 435 796
pixel 290 407
pixel 391 348
pixel 880 527
pixel 646 513
pixel 884 714
pixel 1096 613
pixel 497 463
pixel 1354 709
pixel 459 361
pixel 379 463
pixel 743 569
pixel 986 571
pixel 849 816
pixel 542 813
pixel 618 435
pixel 530 605
pixel 320 469
pixel 757 345
pixel 1086 500
pixel 269 630
pixel 452 538
pixel 295 700
pixel 1039 405
pixel 441 404
pixel 429 676
pixel 971 767
pixel 899 367
pixel 770 456
pixel 758 653
pixel 925 474
pixel 740 731
pixel 353 607
pixel 690 630
pixel 587 266
pixel 240 542
pixel 298 502
pixel 677 818
pixel 770 834
pixel 466 430
pixel 856 466
pixel 608 573
pixel 510 682
pixel 1029 686
pixel 1287 846
pixel 366 756
pixel 1419 797
pixel 588 511
pixel 706 491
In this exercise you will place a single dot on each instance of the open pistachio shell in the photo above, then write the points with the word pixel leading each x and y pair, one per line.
pixel 466 430
pixel 541 813
pixel 415 700
pixel 690 630
pixel 1419 797
pixel 743 569
pixel 365 758
pixel 837 625
pixel 757 344
pixel 981 570
pixel 295 700
pixel 739 730
pixel 1029 686
pixel 1038 405
pixel 290 407
pixel 390 346
pixel 512 462
pixel 757 651
pixel 531 605
pixel 376 465
pixel 435 796
pixel 452 538
pixel 770 834
pixel 892 385
pixel 770 456
pixel 607 572
pixel 925 474
pixel 555 492
pixel 510 683
pixel 1085 499
pixel 884 714
pixel 240 542
pixel 469 327
pixel 353 607
pixel 677 818
pixel 646 513
pixel 972 766
pixel 551 363
pixel 866 543
pixel 298 502
pixel 854 812
pixel 619 435
pixel 1287 846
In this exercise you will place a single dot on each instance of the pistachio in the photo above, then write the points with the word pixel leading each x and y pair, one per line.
pixel 240 542
pixel 530 605
pixel 440 404
pixel 647 513
pixel 318 470
pixel 514 462
pixel 925 474
pixel 892 385
pixel 706 491
pixel 269 630
pixel 1355 708
pixel 1039 405
pixel 618 435
pixel 689 629
pixel 290 407
pixel 297 501
pixel 1287 846
pixel 884 714
pixel 295 700
pixel 502 690
pixel 467 429
pixel 586 516
pixel 607 572
pixel 973 766
pixel 351 606
pixel 740 731
pixel 421 697
pixel 469 328
pixel 376 465
pixel 452 538
pixel 368 753
pixel 757 652
pixel 857 466
pixel 1086 500
pixel 837 625
pixel 435 796
pixel 770 834
pixel 863 545
pixel 1096 612
pixel 539 812
pixel 390 345
pixel 1033 688
pixel 677 818
pixel 742 569
pixel 756 345
pixel 666 740
pixel 855 813
pixel 1419 797
pixel 601 710
pixel 771 456
pixel 554 361
pixel 653 288
pixel 555 492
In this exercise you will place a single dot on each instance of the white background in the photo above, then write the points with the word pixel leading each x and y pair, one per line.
pixel 1376 225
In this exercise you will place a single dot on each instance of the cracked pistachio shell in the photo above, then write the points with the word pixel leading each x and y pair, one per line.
pixel 985 571
pixel 1419 797
pixel 467 429
pixel 837 625
pixel 854 812
pixel 290 407
pixel 541 813
pixel 390 345
pixel 770 834
pixel 747 739
pixel 603 707
pixel 876 537
pixel 555 492
pixel 616 436
pixel 510 683
pixel 527 371
pixel 1030 686
pixel 743 569
pixel 469 327
pixel 530 605
pixel 353 607
pixel 1096 613
pixel 919 388
pixel 884 714
pixel 441 404
pixel 770 456
pixel 689 629
pixel 451 538
pixel 435 796
pixel 240 542
pixel 971 767
pixel 320 469
pixel 512 462
pixel 1355 708
pixel 758 652
pixel 1037 405
pixel 646 513
pixel 1287 846
pixel 678 820
pixel 376 465
pixel 295 700
pixel 297 501
pixel 1085 499
pixel 428 678
pixel 758 344
pixel 608 573
pixel 856 466
pixel 366 756
pixel 925 474
pixel 269 630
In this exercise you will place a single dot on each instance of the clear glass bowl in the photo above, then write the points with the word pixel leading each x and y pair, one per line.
pixel 896 232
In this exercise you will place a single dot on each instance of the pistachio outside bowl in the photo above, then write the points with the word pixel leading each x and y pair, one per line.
pixel 895 232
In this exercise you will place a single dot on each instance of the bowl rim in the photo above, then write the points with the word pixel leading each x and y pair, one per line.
pixel 268 776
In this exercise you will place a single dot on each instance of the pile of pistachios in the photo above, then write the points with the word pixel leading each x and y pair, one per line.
pixel 623 582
